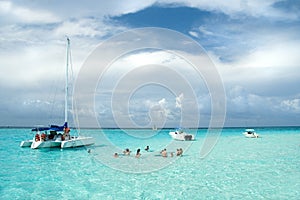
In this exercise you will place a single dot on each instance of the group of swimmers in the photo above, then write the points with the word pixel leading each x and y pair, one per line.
pixel 164 153
pixel 138 154
pixel 127 152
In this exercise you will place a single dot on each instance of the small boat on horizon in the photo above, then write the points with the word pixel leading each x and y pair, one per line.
pixel 154 128
pixel 250 133
pixel 180 134
pixel 54 135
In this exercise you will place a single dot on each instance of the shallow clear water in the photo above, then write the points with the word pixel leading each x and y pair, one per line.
pixel 237 167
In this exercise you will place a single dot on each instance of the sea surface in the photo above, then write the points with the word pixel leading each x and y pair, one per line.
pixel 237 167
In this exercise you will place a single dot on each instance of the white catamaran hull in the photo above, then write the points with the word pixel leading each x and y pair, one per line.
pixel 74 142
pixel 45 144
pixel 77 142
pixel 26 143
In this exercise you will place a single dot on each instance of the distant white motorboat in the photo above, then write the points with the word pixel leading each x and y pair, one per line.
pixel 57 136
pixel 250 133
pixel 179 134
pixel 154 128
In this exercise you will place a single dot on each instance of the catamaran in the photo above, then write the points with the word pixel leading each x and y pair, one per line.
pixel 54 135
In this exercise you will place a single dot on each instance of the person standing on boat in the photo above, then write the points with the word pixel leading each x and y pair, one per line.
pixel 43 137
pixel 67 133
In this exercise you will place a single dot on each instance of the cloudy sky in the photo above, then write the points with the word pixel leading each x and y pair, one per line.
pixel 254 45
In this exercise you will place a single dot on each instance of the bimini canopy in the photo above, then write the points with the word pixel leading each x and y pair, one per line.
pixel 51 128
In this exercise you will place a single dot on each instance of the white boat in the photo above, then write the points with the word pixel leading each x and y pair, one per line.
pixel 58 136
pixel 26 143
pixel 154 128
pixel 77 142
pixel 179 134
pixel 250 133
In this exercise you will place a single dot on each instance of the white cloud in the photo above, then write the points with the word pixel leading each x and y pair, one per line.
pixel 82 27
pixel 162 102
pixel 127 6
pixel 280 54
pixel 249 106
pixel 157 109
pixel 291 105
pixel 87 27
pixel 32 65
pixel 25 15
pixel 179 100
pixel 256 8
pixel 204 30
pixel 272 62
pixel 194 34
pixel 243 103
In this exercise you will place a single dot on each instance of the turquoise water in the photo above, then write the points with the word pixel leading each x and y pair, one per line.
pixel 237 167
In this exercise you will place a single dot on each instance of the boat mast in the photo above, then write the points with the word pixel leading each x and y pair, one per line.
pixel 66 86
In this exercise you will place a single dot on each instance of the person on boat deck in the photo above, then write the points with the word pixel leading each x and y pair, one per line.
pixel 37 137
pixel 43 137
pixel 138 154
pixel 127 152
pixel 147 148
pixel 67 133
